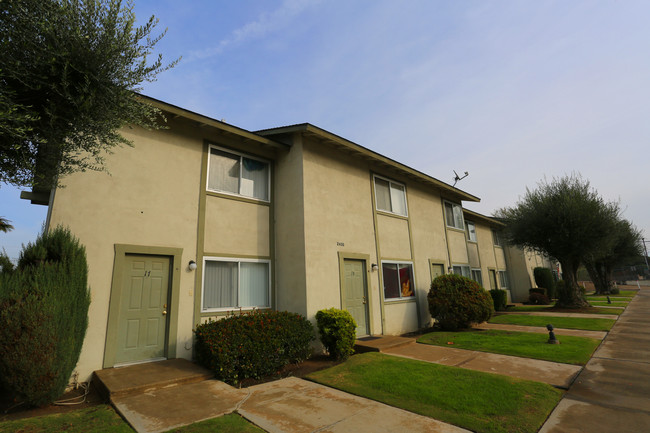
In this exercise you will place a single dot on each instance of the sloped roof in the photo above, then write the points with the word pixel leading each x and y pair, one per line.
pixel 354 149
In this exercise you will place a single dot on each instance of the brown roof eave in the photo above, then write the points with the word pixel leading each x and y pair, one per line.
pixel 214 123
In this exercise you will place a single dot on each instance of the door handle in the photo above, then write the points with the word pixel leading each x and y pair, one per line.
pixel 364 300
pixel 164 313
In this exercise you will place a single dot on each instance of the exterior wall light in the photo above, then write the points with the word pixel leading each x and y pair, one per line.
pixel 192 265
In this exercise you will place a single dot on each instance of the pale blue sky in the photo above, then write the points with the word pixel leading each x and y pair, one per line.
pixel 510 91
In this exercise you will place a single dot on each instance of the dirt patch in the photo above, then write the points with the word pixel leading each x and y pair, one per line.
pixel 10 410
pixel 315 363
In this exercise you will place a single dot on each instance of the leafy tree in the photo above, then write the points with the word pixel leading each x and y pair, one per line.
pixel 5 225
pixel 567 220
pixel 69 70
pixel 624 245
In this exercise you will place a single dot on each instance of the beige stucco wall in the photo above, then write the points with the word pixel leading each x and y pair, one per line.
pixel 338 218
pixel 236 227
pixel 474 257
pixel 132 206
pixel 429 242
pixel 394 237
pixel 289 226
pixel 457 246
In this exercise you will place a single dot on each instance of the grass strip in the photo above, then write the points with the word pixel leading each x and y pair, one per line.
pixel 232 423
pixel 605 304
pixel 550 309
pixel 96 419
pixel 481 402
pixel 558 322
pixel 572 350
pixel 613 298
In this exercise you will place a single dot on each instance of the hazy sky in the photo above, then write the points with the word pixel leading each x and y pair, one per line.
pixel 511 92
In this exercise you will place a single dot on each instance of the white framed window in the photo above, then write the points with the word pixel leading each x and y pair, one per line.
pixel 462 270
pixel 235 283
pixel 390 196
pixel 477 276
pixel 398 280
pixel 496 237
pixel 234 173
pixel 503 280
pixel 471 231
pixel 453 215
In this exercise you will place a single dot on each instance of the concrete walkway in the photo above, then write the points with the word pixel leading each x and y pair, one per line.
pixel 554 373
pixel 147 398
pixel 612 393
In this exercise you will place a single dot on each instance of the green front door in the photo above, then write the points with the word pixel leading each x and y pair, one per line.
pixel 493 279
pixel 142 329
pixel 356 294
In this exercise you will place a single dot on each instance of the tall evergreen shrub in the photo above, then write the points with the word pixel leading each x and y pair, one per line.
pixel 43 317
pixel 544 279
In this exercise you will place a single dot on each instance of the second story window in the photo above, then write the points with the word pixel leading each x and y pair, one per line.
pixel 238 174
pixel 390 196
pixel 471 231
pixel 454 215
pixel 496 237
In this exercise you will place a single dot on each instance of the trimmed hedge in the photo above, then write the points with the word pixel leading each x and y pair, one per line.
pixel 500 299
pixel 538 299
pixel 253 344
pixel 457 302
pixel 544 279
pixel 337 330
pixel 43 317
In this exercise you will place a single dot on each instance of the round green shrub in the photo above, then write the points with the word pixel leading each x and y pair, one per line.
pixel 253 344
pixel 337 330
pixel 456 302
pixel 538 299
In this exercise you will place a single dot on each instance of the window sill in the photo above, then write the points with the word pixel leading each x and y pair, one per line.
pixel 238 197
pixel 391 214
pixel 400 300
pixel 456 229
pixel 230 311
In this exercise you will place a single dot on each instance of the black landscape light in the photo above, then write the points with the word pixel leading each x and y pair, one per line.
pixel 551 335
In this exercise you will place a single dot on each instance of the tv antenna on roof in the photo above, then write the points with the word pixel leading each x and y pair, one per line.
pixel 457 178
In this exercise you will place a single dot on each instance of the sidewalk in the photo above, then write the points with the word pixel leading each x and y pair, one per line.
pixel 554 373
pixel 288 405
pixel 612 393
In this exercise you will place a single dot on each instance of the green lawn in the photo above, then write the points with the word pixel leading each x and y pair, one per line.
pixel 572 350
pixel 545 308
pixel 481 402
pixel 232 423
pixel 558 322
pixel 97 419
pixel 103 419
pixel 613 298
pixel 605 304
pixel 631 293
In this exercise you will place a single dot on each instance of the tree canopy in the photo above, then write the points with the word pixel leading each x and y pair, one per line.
pixel 567 220
pixel 623 244
pixel 69 70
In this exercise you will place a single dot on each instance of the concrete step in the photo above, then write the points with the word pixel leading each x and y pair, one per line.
pixel 146 377
pixel 379 343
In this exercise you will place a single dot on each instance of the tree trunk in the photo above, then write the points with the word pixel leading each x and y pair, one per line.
pixel 600 277
pixel 570 296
